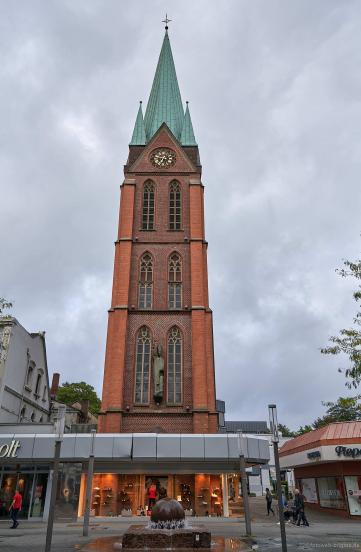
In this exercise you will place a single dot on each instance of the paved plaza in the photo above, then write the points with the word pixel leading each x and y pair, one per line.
pixel 325 532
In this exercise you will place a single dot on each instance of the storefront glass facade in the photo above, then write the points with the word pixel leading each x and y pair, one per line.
pixel 132 494
pixel 31 481
pixel 334 492
pixel 68 491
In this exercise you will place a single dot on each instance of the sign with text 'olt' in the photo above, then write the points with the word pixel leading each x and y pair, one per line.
pixel 9 451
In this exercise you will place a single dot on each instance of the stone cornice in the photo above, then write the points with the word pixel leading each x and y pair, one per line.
pixel 26 399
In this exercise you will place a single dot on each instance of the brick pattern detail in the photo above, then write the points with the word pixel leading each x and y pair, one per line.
pixel 157 423
pixel 197 411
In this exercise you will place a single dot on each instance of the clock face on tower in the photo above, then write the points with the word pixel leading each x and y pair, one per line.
pixel 163 158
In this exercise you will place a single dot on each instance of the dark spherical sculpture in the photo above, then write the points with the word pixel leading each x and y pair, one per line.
pixel 167 509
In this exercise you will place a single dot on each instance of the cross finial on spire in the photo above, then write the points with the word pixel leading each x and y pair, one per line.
pixel 166 21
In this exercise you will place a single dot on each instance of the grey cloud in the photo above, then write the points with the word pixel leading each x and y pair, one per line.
pixel 274 90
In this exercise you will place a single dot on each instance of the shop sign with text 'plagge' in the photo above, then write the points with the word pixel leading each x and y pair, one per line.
pixel 11 450
pixel 348 451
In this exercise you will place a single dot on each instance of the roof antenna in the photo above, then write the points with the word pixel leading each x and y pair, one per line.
pixel 166 21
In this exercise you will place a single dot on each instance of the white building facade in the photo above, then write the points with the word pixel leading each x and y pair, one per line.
pixel 24 380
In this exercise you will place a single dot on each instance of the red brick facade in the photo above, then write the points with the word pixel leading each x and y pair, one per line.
pixel 196 413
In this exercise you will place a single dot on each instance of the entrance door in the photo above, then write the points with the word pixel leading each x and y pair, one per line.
pixel 353 491
pixel 38 502
pixel 155 486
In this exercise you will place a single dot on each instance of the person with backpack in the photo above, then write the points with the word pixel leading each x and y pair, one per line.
pixel 300 509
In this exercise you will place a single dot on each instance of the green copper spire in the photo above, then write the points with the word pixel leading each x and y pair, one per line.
pixel 138 137
pixel 187 136
pixel 165 102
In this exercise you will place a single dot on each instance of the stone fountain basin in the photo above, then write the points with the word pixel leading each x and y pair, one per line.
pixel 138 536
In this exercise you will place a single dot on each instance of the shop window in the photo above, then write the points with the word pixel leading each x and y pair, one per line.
pixel 175 282
pixel 184 487
pixel 331 491
pixel 174 366
pixel 309 491
pixel 115 495
pixel 146 282
pixel 208 495
pixel 10 482
pixel 353 488
pixel 38 500
pixel 142 366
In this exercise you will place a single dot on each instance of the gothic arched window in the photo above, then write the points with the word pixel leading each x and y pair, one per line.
pixel 175 206
pixel 142 366
pixel 174 367
pixel 175 282
pixel 146 282
pixel 29 375
pixel 37 385
pixel 148 206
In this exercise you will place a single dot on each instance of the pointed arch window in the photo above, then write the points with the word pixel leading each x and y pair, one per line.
pixel 175 282
pixel 142 366
pixel 146 282
pixel 175 206
pixel 174 366
pixel 148 206
pixel 37 385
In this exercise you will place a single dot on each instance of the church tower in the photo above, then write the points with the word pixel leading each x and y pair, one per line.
pixel 159 363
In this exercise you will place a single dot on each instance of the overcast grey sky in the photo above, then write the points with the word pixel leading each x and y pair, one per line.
pixel 275 95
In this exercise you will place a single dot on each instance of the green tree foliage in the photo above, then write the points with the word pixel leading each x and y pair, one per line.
pixel 345 409
pixel 303 429
pixel 349 340
pixel 4 304
pixel 70 393
pixel 286 432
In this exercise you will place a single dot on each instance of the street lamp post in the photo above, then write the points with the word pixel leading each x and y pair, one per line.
pixel 89 483
pixel 242 469
pixel 272 409
pixel 59 428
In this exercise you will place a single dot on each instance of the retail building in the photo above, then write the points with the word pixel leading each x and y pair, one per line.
pixel 327 465
pixel 126 466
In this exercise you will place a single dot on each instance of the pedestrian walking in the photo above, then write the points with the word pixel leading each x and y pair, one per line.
pixel 300 509
pixel 15 508
pixel 269 499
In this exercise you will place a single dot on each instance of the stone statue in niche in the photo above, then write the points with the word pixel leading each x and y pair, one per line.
pixel 158 373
